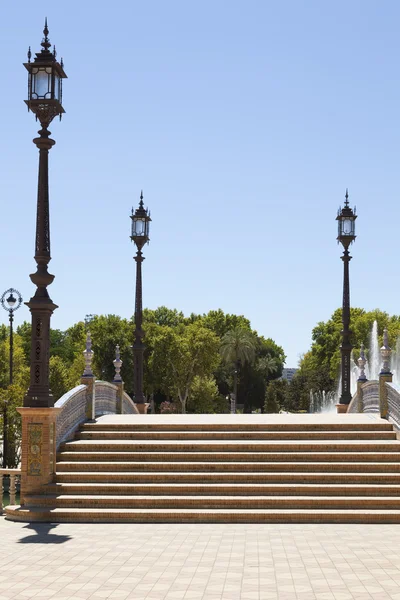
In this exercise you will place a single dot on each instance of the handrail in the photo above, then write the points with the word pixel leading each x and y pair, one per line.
pixel 369 398
pixel 72 413
pixel 353 405
pixel 128 405
pixel 12 490
pixel 393 401
pixel 73 407
pixel 106 398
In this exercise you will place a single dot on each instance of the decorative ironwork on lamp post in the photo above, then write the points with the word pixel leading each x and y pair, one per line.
pixel 45 75
pixel 140 235
pixel 346 235
pixel 10 303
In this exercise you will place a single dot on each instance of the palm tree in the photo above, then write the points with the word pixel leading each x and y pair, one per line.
pixel 267 365
pixel 238 347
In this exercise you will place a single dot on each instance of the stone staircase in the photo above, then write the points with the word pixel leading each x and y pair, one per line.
pixel 225 468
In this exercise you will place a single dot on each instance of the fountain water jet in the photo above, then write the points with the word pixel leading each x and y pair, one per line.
pixel 374 357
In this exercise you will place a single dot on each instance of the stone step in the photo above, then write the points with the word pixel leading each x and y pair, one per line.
pixel 235 435
pixel 224 489
pixel 107 515
pixel 209 502
pixel 230 426
pixel 103 468
pixel 232 447
pixel 209 457
pixel 116 478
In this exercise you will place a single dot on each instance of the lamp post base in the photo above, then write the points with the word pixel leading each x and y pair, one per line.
pixel 38 449
pixel 342 408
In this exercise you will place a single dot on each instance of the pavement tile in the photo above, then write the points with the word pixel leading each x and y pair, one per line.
pixel 205 562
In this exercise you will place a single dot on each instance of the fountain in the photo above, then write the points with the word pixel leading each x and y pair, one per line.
pixel 321 401
pixel 374 357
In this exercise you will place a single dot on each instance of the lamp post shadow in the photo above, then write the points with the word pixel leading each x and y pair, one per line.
pixel 42 534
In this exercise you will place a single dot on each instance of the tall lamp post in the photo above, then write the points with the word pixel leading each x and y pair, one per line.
pixel 346 235
pixel 10 303
pixel 45 75
pixel 140 235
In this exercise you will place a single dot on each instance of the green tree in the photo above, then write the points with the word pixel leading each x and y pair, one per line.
pixel 163 316
pixel 58 377
pixel 179 355
pixel 203 395
pixel 220 323
pixel 275 395
pixel 297 397
pixel 238 347
pixel 320 366
pixel 107 331
pixel 20 366
pixel 11 398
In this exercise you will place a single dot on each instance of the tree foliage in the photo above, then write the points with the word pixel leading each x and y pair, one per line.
pixel 182 354
pixel 275 396
pixel 320 366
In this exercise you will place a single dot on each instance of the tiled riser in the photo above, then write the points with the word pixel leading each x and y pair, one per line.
pixel 265 447
pixel 237 457
pixel 120 427
pixel 223 478
pixel 94 468
pixel 250 489
pixel 240 435
pixel 203 502
pixel 124 516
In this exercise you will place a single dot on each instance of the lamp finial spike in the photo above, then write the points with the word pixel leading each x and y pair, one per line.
pixel 141 199
pixel 347 197
pixel 46 42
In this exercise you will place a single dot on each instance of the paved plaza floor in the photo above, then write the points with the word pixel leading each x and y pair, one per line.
pixel 207 562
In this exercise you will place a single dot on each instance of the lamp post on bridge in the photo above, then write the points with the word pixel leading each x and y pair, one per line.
pixel 346 235
pixel 10 304
pixel 140 235
pixel 45 75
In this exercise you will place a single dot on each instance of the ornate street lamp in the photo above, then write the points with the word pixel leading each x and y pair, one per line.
pixel 45 75
pixel 11 300
pixel 346 235
pixel 140 235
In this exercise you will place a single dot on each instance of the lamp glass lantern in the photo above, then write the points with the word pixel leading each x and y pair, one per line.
pixel 11 301
pixel 346 224
pixel 140 225
pixel 45 75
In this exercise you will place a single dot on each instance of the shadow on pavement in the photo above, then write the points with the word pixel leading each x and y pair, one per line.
pixel 43 535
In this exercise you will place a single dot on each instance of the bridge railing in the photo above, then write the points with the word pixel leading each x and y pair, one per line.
pixel 74 407
pixel 393 403
pixel 366 399
pixel 72 413
pixel 105 398
pixel 128 406
pixel 379 397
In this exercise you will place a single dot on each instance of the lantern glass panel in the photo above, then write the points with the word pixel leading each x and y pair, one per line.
pixel 56 87
pixel 139 225
pixel 348 227
pixel 41 83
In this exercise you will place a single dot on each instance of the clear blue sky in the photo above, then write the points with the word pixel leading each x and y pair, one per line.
pixel 243 122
